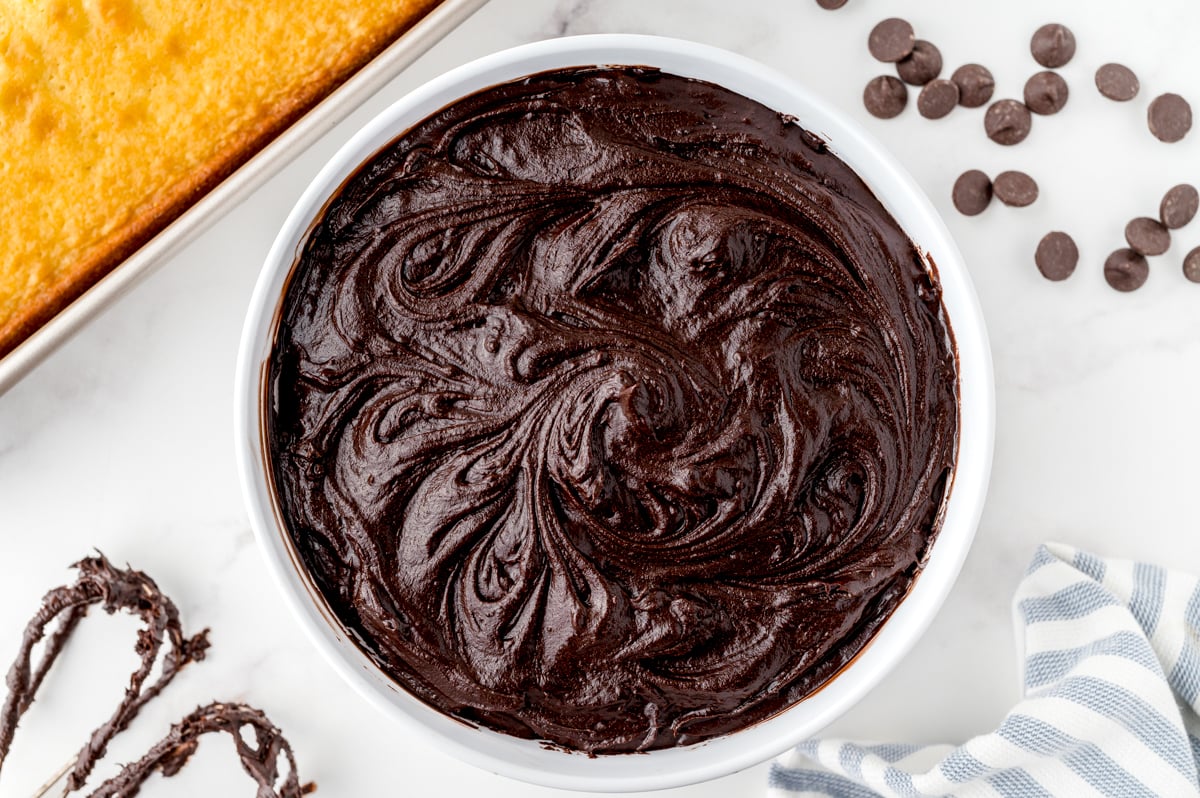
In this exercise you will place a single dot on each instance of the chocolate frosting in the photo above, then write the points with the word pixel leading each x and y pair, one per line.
pixel 261 748
pixel 609 408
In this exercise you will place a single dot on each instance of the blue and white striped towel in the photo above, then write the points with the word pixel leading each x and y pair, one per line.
pixel 1111 656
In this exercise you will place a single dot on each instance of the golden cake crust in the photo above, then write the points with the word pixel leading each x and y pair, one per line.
pixel 117 115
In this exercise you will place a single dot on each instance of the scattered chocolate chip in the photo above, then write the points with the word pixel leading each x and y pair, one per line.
pixel 972 192
pixel 885 96
pixel 1007 122
pixel 1148 236
pixel 1117 82
pixel 1016 189
pixel 1170 118
pixel 922 65
pixel 1046 93
pixel 1179 206
pixel 831 5
pixel 975 85
pixel 891 40
pixel 937 99
pixel 1126 270
pixel 1056 256
pixel 1191 265
pixel 1053 45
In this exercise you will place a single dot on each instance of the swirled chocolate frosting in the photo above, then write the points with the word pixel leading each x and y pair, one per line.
pixel 609 408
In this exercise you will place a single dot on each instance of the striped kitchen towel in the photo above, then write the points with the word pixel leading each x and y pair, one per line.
pixel 1111 658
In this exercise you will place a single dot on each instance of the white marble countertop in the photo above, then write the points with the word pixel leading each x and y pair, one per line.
pixel 122 440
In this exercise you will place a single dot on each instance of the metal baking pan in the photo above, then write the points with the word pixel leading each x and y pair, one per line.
pixel 252 174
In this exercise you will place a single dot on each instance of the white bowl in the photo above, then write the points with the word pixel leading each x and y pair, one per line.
pixel 528 760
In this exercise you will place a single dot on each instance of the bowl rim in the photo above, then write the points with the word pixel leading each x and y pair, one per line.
pixel 531 761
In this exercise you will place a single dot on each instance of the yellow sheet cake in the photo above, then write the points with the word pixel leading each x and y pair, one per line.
pixel 116 115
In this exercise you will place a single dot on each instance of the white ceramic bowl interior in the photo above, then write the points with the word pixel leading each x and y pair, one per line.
pixel 528 760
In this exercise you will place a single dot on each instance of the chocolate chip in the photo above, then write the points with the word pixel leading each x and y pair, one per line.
pixel 922 65
pixel 831 5
pixel 1007 122
pixel 937 99
pixel 1191 265
pixel 1046 93
pixel 891 40
pixel 1016 189
pixel 1117 82
pixel 885 96
pixel 1056 256
pixel 1148 236
pixel 1179 206
pixel 972 192
pixel 1170 118
pixel 975 85
pixel 1053 45
pixel 1126 270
